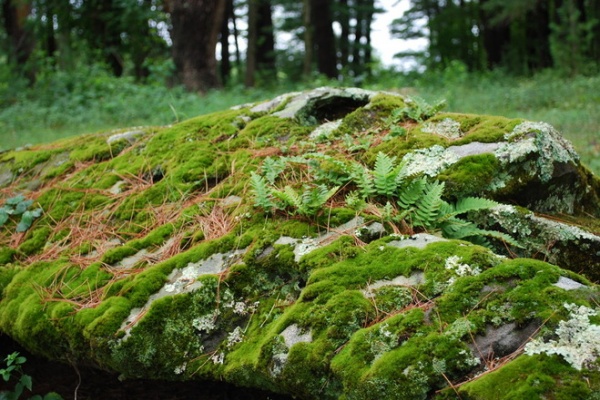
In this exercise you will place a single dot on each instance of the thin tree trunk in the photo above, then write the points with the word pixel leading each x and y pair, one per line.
pixel 249 80
pixel 225 56
pixel 344 20
pixel 196 25
pixel 308 39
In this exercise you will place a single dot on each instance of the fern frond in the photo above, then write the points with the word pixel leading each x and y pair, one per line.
pixel 272 168
pixel 384 176
pixel 262 192
pixel 362 177
pixel 455 228
pixel 427 210
pixel 411 194
pixel 288 197
pixel 355 202
pixel 473 204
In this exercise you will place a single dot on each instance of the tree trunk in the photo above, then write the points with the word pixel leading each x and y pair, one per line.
pixel 249 80
pixel 324 39
pixel 343 17
pixel 308 38
pixel 196 25
pixel 265 56
pixel 20 40
pixel 225 32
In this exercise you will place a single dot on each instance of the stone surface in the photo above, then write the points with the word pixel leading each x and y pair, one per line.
pixel 271 246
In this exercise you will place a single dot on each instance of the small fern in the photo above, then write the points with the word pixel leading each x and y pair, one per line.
pixel 363 179
pixel 273 168
pixel 384 175
pixel 263 194
pixel 309 202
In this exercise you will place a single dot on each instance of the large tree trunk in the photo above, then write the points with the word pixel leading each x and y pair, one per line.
pixel 324 39
pixel 195 32
pixel 20 39
pixel 260 57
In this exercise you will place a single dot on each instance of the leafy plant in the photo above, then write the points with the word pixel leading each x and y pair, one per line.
pixel 14 365
pixel 19 206
pixel 403 201
pixel 309 202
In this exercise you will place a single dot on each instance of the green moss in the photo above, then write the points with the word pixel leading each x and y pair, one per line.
pixel 485 129
pixel 95 148
pixel 35 240
pixel 7 255
pixel 534 377
pixel 269 131
pixel 470 176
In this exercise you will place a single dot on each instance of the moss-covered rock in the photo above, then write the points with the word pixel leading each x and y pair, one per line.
pixel 297 246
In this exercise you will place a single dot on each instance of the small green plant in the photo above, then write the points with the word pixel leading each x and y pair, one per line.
pixel 14 366
pixel 19 206
pixel 417 110
pixel 387 190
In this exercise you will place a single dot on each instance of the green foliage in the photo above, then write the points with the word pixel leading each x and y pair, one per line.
pixel 14 366
pixel 19 206
pixel 419 110
pixel 263 196
pixel 418 201
pixel 385 175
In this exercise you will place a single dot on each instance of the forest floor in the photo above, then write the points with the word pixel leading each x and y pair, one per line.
pixel 62 104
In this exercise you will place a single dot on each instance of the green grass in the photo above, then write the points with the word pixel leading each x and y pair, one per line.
pixel 63 104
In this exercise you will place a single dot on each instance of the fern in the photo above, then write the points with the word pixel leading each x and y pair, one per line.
pixel 309 202
pixel 419 110
pixel 288 197
pixel 384 175
pixel 355 202
pixel 363 179
pixel 411 194
pixel 273 168
pixel 262 192
pixel 427 210
pixel 313 199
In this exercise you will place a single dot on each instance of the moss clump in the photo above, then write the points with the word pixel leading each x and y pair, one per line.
pixel 534 377
pixel 471 175
pixel 35 241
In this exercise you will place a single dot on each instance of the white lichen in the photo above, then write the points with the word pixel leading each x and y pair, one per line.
pixel 206 323
pixel 235 337
pixel 430 161
pixel 453 263
pixel 447 127
pixel 578 340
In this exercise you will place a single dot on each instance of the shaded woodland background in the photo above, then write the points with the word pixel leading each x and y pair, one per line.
pixel 328 37
pixel 75 66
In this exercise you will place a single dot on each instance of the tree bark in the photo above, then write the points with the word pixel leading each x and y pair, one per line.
pixel 225 33
pixel 249 80
pixel 308 38
pixel 195 32
pixel 324 39
pixel 20 39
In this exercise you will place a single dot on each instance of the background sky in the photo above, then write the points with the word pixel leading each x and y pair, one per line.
pixel 384 44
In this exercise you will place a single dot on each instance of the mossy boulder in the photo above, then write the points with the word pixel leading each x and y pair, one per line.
pixel 330 244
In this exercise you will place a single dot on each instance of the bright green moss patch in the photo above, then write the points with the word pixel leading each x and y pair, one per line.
pixel 471 174
pixel 35 241
pixel 269 131
pixel 534 377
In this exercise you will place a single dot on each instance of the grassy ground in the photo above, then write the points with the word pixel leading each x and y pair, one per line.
pixel 65 105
